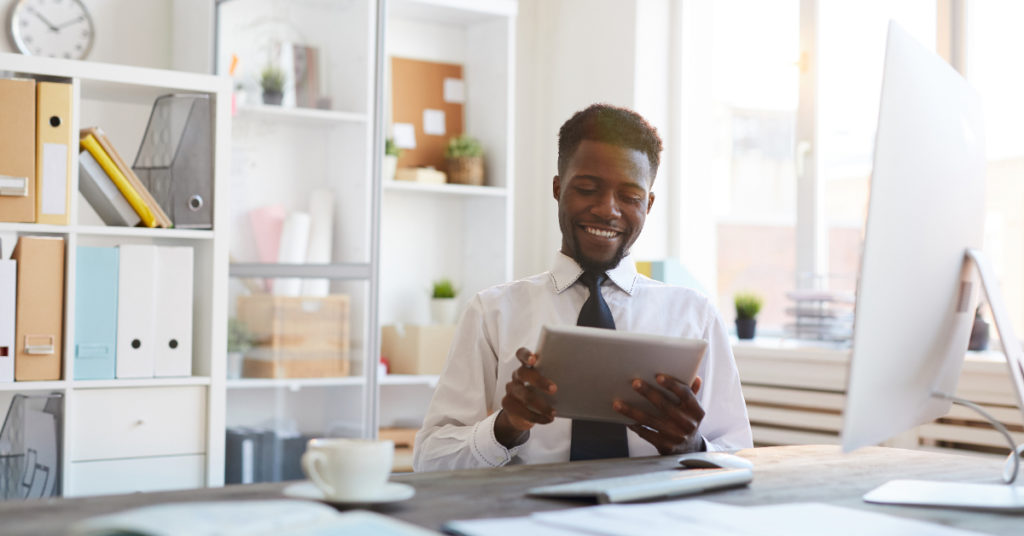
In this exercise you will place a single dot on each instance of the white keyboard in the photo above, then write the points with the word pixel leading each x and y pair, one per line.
pixel 646 486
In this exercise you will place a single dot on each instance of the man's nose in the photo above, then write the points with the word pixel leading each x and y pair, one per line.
pixel 607 206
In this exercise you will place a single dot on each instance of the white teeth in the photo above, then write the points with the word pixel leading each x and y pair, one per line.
pixel 601 232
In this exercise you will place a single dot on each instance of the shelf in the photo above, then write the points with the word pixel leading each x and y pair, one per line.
pixel 459 12
pixel 293 384
pixel 429 380
pixel 99 230
pixel 445 189
pixel 116 83
pixel 34 228
pixel 140 382
pixel 33 386
pixel 353 271
pixel 298 116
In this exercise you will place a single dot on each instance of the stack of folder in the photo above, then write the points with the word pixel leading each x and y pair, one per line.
pixel 32 310
pixel 133 306
pixel 112 188
pixel 35 151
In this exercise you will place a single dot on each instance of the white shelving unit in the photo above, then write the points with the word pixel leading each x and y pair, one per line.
pixel 460 232
pixel 283 154
pixel 98 454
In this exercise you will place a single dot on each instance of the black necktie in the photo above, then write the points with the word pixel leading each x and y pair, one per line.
pixel 592 440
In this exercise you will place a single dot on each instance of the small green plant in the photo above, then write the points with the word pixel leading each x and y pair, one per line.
pixel 239 337
pixel 391 149
pixel 463 146
pixel 443 288
pixel 748 304
pixel 272 79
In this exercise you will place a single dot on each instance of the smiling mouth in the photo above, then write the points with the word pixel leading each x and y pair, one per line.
pixel 603 233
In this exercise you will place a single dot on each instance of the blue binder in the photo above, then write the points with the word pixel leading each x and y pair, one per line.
pixel 96 313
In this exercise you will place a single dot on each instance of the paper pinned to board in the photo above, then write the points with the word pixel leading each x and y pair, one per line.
pixel 433 122
pixel 404 135
pixel 454 90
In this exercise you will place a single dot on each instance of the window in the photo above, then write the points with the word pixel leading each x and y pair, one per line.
pixel 795 89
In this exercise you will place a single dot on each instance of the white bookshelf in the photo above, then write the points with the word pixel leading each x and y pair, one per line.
pixel 433 231
pixel 118 99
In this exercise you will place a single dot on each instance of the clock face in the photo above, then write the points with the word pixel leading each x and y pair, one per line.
pixel 53 28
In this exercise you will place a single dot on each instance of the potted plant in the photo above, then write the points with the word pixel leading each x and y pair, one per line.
pixel 239 342
pixel 748 304
pixel 272 82
pixel 442 302
pixel 391 155
pixel 465 158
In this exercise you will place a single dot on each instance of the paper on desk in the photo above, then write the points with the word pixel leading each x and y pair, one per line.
pixel 703 518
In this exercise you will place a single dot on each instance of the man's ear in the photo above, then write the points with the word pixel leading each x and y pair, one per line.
pixel 650 201
pixel 556 187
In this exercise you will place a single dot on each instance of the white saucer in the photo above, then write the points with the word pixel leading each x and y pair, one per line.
pixel 392 492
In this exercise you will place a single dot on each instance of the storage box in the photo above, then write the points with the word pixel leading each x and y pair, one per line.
pixel 405 439
pixel 413 349
pixel 420 174
pixel 296 337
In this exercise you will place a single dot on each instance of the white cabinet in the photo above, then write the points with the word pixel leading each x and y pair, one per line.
pixel 127 421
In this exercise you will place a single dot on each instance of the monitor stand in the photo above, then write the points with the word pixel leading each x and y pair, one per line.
pixel 1000 497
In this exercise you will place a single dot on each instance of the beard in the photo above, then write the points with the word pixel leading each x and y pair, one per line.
pixel 592 265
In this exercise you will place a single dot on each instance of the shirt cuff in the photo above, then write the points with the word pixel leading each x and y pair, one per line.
pixel 485 446
pixel 702 446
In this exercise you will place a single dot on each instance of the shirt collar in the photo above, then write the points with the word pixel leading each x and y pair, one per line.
pixel 566 271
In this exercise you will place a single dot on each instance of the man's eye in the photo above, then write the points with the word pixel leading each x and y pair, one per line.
pixel 586 191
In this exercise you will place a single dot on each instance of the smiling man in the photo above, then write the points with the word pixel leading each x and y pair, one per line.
pixel 488 409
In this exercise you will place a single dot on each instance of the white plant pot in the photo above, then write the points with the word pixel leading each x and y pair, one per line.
pixel 442 310
pixel 390 166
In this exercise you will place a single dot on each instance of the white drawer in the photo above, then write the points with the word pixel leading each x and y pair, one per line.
pixel 134 422
pixel 136 474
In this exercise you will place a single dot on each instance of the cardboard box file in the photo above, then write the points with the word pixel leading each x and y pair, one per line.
pixel 17 150
pixel 413 349
pixel 39 320
pixel 296 337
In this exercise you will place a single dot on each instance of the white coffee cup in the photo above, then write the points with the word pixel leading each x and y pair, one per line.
pixel 348 469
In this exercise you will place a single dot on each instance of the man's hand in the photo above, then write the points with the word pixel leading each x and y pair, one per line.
pixel 675 422
pixel 523 405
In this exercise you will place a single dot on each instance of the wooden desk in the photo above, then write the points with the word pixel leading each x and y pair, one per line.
pixel 781 474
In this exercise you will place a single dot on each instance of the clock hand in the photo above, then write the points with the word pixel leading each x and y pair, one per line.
pixel 42 18
pixel 70 22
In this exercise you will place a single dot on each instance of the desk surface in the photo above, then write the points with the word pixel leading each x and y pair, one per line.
pixel 781 475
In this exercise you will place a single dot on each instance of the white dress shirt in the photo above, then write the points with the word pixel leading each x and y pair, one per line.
pixel 458 431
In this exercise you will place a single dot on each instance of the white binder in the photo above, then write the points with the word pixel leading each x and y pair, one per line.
pixel 173 311
pixel 8 287
pixel 136 311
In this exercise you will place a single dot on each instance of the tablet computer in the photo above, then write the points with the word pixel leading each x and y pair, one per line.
pixel 593 366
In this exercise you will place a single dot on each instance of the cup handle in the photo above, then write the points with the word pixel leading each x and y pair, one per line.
pixel 311 462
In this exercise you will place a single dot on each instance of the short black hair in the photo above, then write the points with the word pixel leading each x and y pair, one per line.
pixel 609 124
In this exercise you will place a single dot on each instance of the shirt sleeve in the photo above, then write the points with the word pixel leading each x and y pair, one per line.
pixel 458 430
pixel 725 425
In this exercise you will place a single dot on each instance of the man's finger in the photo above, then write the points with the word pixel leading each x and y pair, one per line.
pixel 654 438
pixel 530 377
pixel 527 358
pixel 531 400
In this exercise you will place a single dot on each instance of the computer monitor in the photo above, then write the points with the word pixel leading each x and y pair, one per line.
pixel 919 281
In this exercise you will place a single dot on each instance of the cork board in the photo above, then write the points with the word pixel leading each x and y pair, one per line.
pixel 417 86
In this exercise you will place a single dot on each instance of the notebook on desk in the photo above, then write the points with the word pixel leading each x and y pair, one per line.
pixel 648 486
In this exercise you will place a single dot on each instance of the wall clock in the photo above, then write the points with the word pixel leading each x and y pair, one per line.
pixel 52 28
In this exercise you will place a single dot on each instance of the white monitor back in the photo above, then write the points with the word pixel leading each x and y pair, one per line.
pixel 915 300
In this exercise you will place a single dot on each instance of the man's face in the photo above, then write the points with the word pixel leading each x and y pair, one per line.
pixel 603 200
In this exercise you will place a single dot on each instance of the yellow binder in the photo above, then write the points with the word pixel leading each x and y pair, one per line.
pixel 54 140
pixel 90 144
pixel 161 217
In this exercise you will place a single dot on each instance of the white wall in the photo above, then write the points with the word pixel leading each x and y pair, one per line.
pixel 573 53
pixel 163 34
